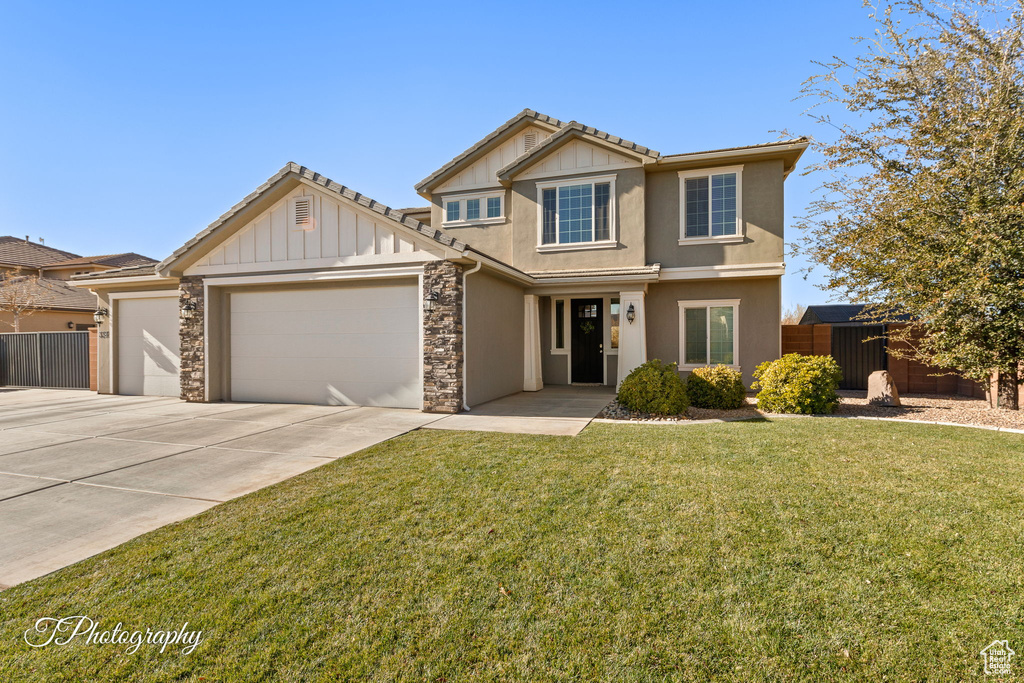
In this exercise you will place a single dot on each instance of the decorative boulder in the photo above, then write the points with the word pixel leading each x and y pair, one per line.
pixel 882 389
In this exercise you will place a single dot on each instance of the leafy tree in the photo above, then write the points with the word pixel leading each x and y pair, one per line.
pixel 922 206
pixel 20 295
pixel 792 316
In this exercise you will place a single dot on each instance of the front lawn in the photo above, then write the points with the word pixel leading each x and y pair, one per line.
pixel 799 549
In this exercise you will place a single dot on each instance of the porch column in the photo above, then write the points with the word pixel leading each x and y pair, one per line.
pixel 532 380
pixel 632 335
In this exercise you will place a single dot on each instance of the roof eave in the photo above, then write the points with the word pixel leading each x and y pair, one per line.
pixel 792 151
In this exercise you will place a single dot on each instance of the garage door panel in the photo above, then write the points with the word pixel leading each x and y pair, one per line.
pixel 349 345
pixel 312 346
pixel 376 394
pixel 340 299
pixel 148 346
pixel 335 370
pixel 379 321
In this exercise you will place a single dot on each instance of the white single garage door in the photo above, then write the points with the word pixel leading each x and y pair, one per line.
pixel 351 345
pixel 148 346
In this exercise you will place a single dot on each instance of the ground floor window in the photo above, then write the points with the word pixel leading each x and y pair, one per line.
pixel 708 333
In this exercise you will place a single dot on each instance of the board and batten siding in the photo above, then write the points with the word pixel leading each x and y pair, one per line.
pixel 484 173
pixel 576 156
pixel 339 233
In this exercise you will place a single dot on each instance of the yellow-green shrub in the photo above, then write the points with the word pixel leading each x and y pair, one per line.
pixel 718 386
pixel 798 384
pixel 654 388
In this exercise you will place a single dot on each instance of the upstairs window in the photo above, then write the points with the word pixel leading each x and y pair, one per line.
pixel 711 205
pixel 474 209
pixel 451 212
pixel 576 213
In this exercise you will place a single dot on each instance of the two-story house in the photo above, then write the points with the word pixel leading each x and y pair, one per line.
pixel 550 253
pixel 37 276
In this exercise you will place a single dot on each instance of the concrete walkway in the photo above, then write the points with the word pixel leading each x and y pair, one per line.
pixel 555 410
pixel 81 473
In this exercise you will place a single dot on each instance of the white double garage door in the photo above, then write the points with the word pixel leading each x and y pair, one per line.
pixel 352 345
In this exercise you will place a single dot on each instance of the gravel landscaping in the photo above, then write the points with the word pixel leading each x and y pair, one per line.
pixel 917 407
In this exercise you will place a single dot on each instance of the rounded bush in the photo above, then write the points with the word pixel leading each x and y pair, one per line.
pixel 798 384
pixel 718 387
pixel 654 388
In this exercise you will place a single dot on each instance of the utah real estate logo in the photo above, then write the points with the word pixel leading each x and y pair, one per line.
pixel 997 658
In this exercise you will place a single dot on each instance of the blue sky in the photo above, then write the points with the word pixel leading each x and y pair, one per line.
pixel 129 127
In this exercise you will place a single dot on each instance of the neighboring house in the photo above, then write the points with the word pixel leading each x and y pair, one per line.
pixel 61 306
pixel 861 346
pixel 550 253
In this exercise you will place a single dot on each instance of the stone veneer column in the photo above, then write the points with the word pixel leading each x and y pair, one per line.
pixel 193 343
pixel 443 352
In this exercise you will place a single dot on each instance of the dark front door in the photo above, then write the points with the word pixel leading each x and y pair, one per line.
pixel 859 351
pixel 587 341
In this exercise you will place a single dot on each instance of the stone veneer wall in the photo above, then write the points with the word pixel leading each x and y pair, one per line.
pixel 193 345
pixel 443 351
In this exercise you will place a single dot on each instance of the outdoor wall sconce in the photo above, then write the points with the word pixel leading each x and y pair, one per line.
pixel 429 300
pixel 631 314
pixel 100 315
pixel 188 309
pixel 71 325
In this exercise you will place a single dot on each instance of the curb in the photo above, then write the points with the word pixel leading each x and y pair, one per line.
pixel 686 423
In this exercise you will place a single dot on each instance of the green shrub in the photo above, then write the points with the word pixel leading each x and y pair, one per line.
pixel 718 386
pixel 798 384
pixel 654 388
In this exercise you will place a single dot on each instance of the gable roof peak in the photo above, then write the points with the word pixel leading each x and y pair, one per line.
pixel 303 173
pixel 528 115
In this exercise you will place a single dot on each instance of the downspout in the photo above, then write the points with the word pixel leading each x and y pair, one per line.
pixel 465 290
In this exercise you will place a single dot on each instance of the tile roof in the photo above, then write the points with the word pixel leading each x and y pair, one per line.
pixel 127 271
pixel 791 141
pixel 60 294
pixel 331 186
pixel 17 251
pixel 652 270
pixel 113 260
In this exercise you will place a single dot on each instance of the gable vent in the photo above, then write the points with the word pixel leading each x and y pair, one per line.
pixel 303 212
pixel 530 141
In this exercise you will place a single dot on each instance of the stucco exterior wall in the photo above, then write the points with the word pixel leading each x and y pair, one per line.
pixel 494 240
pixel 759 320
pixel 629 216
pixel 494 338
pixel 46 321
pixel 763 214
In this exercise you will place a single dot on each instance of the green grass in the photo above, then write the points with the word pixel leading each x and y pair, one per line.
pixel 790 550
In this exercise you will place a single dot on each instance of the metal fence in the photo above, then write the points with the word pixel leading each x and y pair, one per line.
pixel 52 360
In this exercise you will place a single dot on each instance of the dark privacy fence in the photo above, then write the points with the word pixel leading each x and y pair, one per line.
pixel 53 360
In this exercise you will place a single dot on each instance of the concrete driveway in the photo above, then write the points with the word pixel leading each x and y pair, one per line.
pixel 81 473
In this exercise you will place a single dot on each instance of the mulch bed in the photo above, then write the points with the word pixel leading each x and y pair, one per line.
pixel 918 407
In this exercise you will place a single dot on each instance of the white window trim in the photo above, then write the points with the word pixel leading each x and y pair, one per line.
pixel 708 304
pixel 613 227
pixel 707 173
pixel 461 199
pixel 608 350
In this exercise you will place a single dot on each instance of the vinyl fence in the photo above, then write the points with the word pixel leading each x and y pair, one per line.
pixel 52 360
